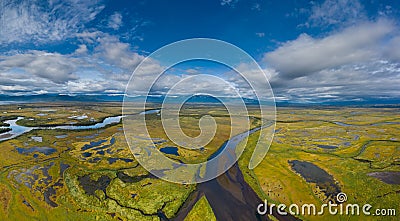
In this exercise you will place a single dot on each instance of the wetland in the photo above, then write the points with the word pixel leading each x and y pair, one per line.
pixel 77 165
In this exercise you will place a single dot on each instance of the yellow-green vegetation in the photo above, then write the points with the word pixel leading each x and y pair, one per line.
pixel 189 117
pixel 201 211
pixel 92 174
pixel 381 154
pixel 353 143
pixel 79 175
pixel 5 197
pixel 54 114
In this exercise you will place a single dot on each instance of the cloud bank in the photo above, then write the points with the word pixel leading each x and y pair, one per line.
pixel 40 21
pixel 356 63
pixel 352 57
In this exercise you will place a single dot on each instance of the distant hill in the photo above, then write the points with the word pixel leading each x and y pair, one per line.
pixel 59 98
pixel 6 99
pixel 106 98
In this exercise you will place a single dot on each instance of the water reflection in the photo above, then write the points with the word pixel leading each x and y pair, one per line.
pixel 17 130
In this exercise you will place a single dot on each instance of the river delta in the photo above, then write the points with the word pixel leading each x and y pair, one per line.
pixel 70 161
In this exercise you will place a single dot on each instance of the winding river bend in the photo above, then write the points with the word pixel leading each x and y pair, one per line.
pixel 230 197
pixel 17 130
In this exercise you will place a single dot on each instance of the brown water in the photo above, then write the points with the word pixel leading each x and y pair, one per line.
pixel 229 196
pixel 389 177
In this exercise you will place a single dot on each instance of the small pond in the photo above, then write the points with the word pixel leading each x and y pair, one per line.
pixel 389 177
pixel 114 159
pixel 170 150
pixel 44 150
pixel 154 111
pixel 326 146
pixel 314 174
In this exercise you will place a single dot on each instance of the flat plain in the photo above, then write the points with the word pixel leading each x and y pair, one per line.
pixel 320 152
pixel 91 174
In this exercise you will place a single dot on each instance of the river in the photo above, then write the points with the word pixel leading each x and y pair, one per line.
pixel 17 130
pixel 229 196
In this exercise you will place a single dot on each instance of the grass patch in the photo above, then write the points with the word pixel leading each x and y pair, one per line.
pixel 201 211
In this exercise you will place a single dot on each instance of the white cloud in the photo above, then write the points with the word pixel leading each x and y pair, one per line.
pixel 42 21
pixel 336 12
pixel 369 79
pixel 13 88
pixel 115 21
pixel 256 7
pixel 89 36
pixel 307 55
pixel 191 71
pixel 52 66
pixel 260 34
pixel 111 50
pixel 85 86
pixel 106 68
pixel 349 63
pixel 19 83
pixel 358 60
pixel 231 3
pixel 82 49
pixel 391 49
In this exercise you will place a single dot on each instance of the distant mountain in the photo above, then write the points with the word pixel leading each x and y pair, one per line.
pixel 209 99
pixel 366 102
pixel 203 99
pixel 5 99
pixel 59 98
pixel 107 98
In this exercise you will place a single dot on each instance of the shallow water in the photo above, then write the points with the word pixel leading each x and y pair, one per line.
pixel 389 177
pixel 170 150
pixel 86 154
pixel 154 111
pixel 114 159
pixel 63 167
pixel 230 197
pixel 37 139
pixel 314 174
pixel 106 121
pixel 90 186
pixel 360 125
pixel 93 144
pixel 326 146
pixel 17 130
pixel 78 117
pixel 45 150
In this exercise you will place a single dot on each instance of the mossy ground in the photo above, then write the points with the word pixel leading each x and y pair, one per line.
pixel 367 144
pixel 53 114
pixel 30 183
pixel 201 211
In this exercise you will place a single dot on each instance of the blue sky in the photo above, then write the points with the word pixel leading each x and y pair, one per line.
pixel 311 51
